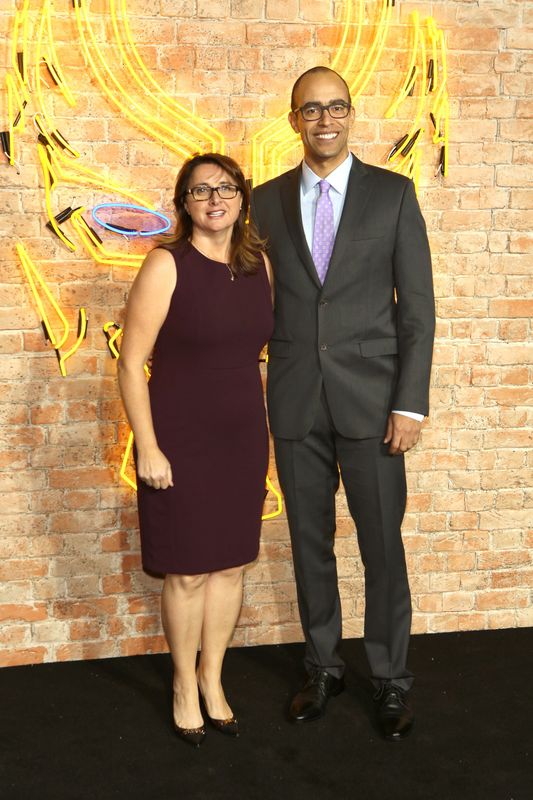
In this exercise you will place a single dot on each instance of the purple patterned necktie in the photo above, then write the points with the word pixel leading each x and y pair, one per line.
pixel 324 231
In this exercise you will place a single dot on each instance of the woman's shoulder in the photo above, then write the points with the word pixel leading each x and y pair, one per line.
pixel 158 271
pixel 173 247
pixel 159 257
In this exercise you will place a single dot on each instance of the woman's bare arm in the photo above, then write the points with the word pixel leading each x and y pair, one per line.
pixel 148 305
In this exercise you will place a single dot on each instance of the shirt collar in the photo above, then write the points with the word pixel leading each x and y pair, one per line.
pixel 338 179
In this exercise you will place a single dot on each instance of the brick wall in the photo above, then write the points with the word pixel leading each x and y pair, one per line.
pixel 71 583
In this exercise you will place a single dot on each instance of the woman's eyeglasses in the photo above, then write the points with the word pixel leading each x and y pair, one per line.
pixel 226 191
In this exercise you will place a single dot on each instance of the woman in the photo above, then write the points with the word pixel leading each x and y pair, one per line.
pixel 203 306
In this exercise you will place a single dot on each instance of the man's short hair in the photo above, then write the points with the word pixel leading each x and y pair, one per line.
pixel 311 72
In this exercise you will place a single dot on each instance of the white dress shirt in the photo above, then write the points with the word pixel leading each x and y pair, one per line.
pixel 309 194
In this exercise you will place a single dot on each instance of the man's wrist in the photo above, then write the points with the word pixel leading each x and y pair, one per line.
pixel 411 414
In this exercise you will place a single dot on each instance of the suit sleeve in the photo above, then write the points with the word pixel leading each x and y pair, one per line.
pixel 415 306
pixel 253 211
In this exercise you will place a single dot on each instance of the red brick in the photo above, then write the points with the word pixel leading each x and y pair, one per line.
pixel 85 630
pixel 32 655
pixel 116 584
pixel 75 609
pixel 500 598
pixel 15 569
pixel 85 650
pixel 82 477
pixel 142 645
pixel 23 612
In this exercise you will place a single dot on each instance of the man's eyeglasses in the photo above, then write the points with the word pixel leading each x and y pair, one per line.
pixel 226 191
pixel 312 112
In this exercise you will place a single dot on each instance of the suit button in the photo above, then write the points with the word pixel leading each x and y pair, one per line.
pixel 323 347
pixel 323 303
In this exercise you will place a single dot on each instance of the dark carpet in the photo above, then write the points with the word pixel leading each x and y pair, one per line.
pixel 102 729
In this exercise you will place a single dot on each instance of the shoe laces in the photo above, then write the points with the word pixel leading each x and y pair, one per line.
pixel 318 678
pixel 393 692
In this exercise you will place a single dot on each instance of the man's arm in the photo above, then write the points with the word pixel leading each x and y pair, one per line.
pixel 415 306
pixel 416 326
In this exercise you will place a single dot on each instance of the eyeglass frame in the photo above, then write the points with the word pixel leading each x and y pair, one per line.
pixel 213 189
pixel 347 106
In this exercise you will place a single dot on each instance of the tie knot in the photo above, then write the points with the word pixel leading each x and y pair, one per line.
pixel 324 187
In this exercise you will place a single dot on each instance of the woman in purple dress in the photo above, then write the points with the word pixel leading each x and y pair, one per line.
pixel 202 308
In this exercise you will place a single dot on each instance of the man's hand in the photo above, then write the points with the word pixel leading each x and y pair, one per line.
pixel 402 433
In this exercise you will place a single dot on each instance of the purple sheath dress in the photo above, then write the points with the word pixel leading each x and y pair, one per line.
pixel 208 411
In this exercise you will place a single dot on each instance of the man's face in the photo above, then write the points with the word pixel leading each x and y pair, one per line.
pixel 325 141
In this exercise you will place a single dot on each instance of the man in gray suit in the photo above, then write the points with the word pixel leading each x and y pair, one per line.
pixel 348 382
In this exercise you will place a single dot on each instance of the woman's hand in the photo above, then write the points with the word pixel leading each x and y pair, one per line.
pixel 153 467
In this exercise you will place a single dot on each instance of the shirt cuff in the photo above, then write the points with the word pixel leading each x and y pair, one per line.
pixel 412 414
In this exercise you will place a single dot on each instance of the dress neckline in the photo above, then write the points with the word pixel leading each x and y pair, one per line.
pixel 213 260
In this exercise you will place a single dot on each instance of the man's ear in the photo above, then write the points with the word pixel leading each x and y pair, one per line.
pixel 293 121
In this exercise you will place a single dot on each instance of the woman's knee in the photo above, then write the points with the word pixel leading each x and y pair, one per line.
pixel 231 574
pixel 186 583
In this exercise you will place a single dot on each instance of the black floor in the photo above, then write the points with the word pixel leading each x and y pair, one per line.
pixel 102 729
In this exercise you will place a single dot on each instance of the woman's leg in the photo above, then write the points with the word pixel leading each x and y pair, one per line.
pixel 223 600
pixel 182 612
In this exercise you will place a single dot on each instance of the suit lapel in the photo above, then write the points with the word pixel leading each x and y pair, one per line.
pixel 358 193
pixel 290 199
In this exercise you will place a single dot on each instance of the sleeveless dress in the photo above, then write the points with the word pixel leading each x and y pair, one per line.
pixel 208 411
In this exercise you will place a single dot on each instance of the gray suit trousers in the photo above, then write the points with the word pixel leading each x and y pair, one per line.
pixel 375 488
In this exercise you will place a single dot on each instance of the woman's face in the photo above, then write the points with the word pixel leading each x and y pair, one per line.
pixel 214 213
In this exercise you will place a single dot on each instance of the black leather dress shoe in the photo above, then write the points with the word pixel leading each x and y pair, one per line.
pixel 394 712
pixel 310 703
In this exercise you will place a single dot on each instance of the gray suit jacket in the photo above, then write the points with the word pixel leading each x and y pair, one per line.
pixel 366 335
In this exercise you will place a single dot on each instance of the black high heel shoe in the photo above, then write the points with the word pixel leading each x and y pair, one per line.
pixel 193 736
pixel 229 727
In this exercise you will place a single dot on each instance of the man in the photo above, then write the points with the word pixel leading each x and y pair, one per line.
pixel 348 378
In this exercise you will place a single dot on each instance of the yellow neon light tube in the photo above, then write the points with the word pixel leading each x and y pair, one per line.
pixel 38 89
pixel 113 337
pixel 21 21
pixel 49 180
pixel 345 45
pixel 81 336
pixel 411 71
pixel 376 48
pixel 124 466
pixel 96 248
pixel 433 36
pixel 409 165
pixel 32 272
pixel 53 63
pixel 58 160
pixel 163 101
pixel 135 112
pixel 279 502
pixel 13 124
